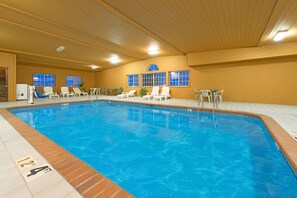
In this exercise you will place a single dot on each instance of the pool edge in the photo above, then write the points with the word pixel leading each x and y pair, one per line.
pixel 284 141
pixel 85 180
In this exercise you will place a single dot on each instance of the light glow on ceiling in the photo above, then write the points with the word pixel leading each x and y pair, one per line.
pixel 114 59
pixel 280 35
pixel 94 66
pixel 60 49
pixel 153 50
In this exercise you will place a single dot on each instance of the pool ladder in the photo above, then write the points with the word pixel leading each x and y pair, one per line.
pixel 215 106
pixel 94 92
pixel 215 102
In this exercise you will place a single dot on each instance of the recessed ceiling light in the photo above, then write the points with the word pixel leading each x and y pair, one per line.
pixel 95 66
pixel 280 35
pixel 114 59
pixel 60 49
pixel 153 50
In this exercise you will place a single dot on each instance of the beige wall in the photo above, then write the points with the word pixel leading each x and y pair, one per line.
pixel 116 77
pixel 261 81
pixel 9 61
pixel 25 75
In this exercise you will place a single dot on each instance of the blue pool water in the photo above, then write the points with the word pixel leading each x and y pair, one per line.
pixel 166 152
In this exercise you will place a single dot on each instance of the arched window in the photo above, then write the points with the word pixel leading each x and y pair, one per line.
pixel 153 67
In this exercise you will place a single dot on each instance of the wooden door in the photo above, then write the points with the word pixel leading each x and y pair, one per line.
pixel 3 85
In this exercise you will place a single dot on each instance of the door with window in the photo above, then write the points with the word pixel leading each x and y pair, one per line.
pixel 3 85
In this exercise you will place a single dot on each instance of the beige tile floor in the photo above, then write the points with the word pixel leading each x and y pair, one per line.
pixel 13 146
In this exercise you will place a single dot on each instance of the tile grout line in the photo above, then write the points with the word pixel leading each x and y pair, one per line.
pixel 16 167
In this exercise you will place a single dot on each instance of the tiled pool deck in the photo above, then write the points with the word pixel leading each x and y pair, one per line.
pixel 73 178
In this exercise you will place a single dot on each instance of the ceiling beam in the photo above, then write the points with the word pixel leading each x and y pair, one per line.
pixel 276 51
pixel 264 34
pixel 51 65
pixel 44 56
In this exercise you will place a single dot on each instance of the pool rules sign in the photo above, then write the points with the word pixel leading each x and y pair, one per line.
pixel 31 170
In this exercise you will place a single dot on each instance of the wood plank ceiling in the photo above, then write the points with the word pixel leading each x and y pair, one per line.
pixel 94 30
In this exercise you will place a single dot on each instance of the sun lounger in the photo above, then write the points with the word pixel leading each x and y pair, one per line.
pixel 164 94
pixel 65 92
pixel 127 94
pixel 48 91
pixel 155 92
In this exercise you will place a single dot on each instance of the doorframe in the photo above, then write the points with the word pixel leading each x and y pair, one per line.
pixel 6 82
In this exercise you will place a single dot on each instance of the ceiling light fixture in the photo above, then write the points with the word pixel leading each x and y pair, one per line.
pixel 94 66
pixel 114 59
pixel 280 35
pixel 153 50
pixel 60 49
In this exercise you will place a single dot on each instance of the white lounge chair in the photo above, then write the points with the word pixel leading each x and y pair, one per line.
pixel 127 94
pixel 37 94
pixel 155 92
pixel 48 91
pixel 65 92
pixel 164 94
pixel 78 92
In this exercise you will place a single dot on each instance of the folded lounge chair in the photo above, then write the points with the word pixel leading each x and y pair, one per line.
pixel 127 94
pixel 48 91
pixel 164 94
pixel 65 92
pixel 78 92
pixel 37 94
pixel 155 92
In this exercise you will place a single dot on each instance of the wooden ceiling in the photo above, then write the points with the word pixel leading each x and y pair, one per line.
pixel 94 30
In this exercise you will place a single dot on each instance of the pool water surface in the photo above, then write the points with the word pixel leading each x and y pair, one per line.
pixel 165 152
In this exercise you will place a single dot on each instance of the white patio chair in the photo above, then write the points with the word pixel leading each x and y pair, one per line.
pixel 48 91
pixel 205 94
pixel 155 92
pixel 219 94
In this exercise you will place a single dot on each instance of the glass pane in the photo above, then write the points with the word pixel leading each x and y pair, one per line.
pixel 153 67
pixel 73 81
pixel 44 80
pixel 179 78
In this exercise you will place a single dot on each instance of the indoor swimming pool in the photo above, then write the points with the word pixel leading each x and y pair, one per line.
pixel 156 151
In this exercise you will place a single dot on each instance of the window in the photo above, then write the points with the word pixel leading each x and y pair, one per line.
pixel 44 80
pixel 179 78
pixel 133 80
pixel 73 81
pixel 155 79
pixel 153 67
